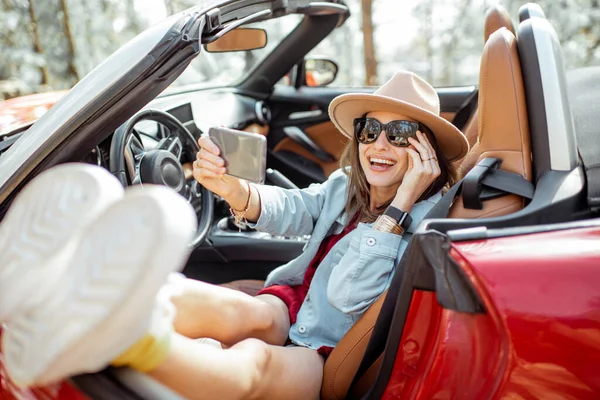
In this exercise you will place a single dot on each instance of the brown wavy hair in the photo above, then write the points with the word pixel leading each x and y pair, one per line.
pixel 359 190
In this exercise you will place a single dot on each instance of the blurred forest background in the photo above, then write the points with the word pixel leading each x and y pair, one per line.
pixel 50 44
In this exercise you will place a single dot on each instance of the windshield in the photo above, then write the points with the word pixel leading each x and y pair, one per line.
pixel 221 69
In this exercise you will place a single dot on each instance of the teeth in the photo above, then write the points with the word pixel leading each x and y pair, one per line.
pixel 381 161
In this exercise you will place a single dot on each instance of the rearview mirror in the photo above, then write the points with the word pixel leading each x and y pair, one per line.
pixel 240 39
pixel 319 72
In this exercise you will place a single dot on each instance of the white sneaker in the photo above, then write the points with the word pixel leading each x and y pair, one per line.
pixel 38 224
pixel 106 298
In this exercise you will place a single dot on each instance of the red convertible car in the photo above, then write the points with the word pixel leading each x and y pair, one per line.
pixel 498 294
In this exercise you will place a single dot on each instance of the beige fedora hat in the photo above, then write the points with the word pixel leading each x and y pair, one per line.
pixel 405 93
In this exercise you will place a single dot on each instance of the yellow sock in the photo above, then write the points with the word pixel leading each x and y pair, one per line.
pixel 146 354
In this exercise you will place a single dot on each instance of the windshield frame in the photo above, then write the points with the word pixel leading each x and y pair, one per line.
pixel 320 19
pixel 222 60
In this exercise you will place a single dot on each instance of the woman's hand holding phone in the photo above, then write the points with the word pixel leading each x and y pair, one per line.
pixel 209 170
pixel 423 169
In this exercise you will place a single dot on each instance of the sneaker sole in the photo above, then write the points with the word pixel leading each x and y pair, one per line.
pixel 109 289
pixel 39 223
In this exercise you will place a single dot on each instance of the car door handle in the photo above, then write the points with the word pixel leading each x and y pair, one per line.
pixel 305 114
pixel 298 136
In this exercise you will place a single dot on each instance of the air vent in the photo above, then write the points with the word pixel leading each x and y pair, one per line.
pixel 263 113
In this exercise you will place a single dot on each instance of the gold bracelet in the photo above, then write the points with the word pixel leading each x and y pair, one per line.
pixel 238 216
pixel 385 223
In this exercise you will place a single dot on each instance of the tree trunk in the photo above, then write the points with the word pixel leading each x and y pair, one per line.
pixel 370 59
pixel 69 35
pixel 37 45
pixel 132 17
pixel 8 6
pixel 429 38
pixel 447 77
pixel 169 7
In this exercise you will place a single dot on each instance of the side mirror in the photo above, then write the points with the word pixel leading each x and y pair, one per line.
pixel 319 72
pixel 240 39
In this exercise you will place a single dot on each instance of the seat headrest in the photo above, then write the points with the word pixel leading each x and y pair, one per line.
pixel 496 17
pixel 503 123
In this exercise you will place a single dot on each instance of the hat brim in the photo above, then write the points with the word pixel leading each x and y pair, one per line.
pixel 343 109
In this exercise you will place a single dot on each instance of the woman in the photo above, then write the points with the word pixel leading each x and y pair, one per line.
pixel 394 168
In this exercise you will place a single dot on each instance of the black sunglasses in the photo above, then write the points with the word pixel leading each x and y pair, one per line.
pixel 367 131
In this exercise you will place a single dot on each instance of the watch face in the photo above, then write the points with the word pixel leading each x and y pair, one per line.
pixel 402 218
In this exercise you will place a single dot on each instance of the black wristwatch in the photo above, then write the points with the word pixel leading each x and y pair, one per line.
pixel 402 218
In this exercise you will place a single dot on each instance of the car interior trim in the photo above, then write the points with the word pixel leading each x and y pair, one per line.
pixel 298 136
pixel 453 98
pixel 561 127
pixel 306 114
pixel 534 97
pixel 263 112
pixel 482 232
pixel 104 386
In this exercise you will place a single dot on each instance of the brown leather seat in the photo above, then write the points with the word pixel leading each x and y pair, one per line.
pixel 503 133
pixel 496 17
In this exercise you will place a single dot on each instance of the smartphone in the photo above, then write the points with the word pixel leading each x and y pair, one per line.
pixel 245 153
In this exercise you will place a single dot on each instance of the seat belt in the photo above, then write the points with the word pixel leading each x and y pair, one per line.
pixel 466 110
pixel 485 181
pixel 485 173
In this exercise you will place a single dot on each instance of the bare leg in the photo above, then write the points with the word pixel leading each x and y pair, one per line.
pixel 250 369
pixel 229 316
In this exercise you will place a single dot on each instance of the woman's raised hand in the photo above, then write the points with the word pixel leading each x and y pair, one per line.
pixel 423 169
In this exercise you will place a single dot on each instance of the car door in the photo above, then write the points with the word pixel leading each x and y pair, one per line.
pixel 531 330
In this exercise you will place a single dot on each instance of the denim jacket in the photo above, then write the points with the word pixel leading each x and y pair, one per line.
pixel 355 272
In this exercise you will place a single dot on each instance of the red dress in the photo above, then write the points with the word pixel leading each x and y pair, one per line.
pixel 293 296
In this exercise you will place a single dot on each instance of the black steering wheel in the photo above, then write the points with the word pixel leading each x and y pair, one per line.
pixel 162 165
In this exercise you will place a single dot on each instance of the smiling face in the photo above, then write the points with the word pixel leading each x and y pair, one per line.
pixel 384 165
